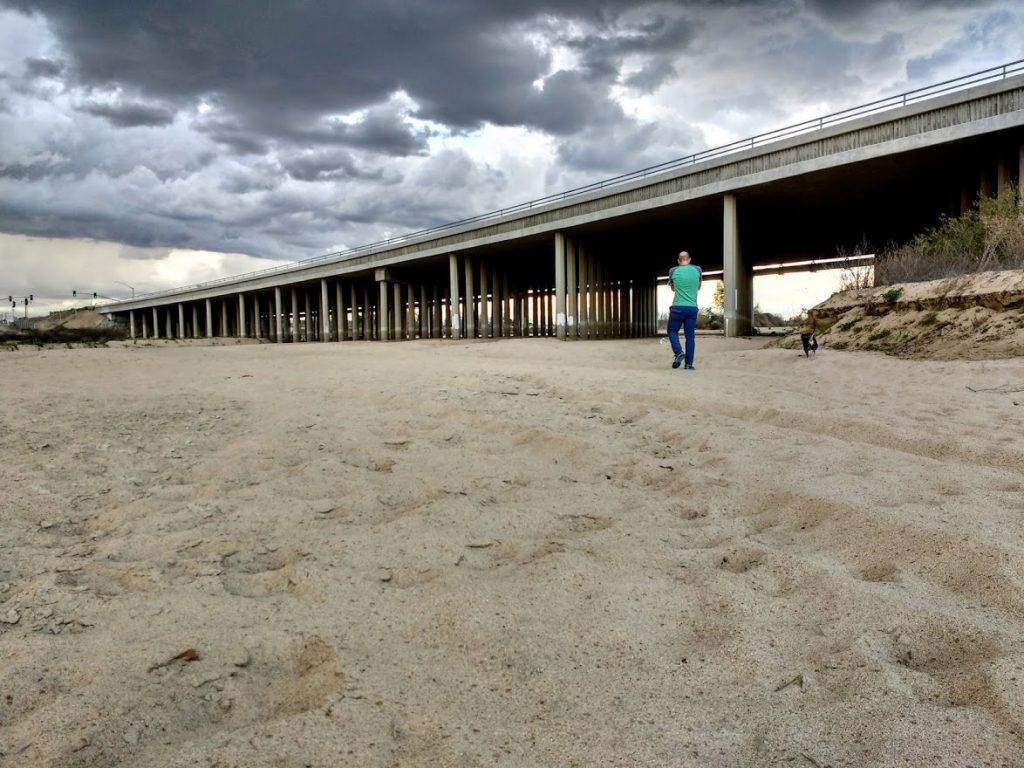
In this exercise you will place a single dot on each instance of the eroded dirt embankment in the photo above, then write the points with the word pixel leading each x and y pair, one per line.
pixel 971 317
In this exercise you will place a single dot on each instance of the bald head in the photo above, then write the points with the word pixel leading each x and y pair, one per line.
pixel 684 257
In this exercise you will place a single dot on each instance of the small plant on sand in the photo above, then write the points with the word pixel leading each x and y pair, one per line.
pixel 892 295
pixel 840 345
pixel 847 326
pixel 880 335
pixel 928 319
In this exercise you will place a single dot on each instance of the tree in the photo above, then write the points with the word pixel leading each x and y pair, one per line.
pixel 718 300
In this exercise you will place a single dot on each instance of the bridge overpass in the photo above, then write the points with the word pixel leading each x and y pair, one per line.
pixel 584 264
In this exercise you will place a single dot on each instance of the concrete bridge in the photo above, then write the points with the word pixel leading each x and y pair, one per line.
pixel 585 264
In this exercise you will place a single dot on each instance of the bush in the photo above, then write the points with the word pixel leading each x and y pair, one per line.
pixel 710 319
pixel 61 335
pixel 892 295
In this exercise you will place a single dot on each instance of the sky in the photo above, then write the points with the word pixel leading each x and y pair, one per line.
pixel 147 145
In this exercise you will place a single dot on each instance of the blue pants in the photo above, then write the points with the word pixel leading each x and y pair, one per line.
pixel 685 318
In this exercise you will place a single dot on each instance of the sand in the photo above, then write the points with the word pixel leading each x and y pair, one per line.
pixel 517 553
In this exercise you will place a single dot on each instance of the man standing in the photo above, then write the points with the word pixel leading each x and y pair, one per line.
pixel 685 279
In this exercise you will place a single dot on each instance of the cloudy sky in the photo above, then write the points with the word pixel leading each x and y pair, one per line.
pixel 153 144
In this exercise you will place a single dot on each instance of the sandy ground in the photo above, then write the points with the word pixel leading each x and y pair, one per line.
pixel 522 553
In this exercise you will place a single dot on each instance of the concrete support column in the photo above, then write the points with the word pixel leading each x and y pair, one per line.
pixel 223 317
pixel 346 327
pixel 446 311
pixel 156 324
pixel 1003 178
pixel 293 316
pixel 612 307
pixel 397 315
pixel 495 302
pixel 368 324
pixel 592 295
pixel 181 321
pixel 435 314
pixel 423 319
pixel 242 330
pixel 131 323
pixel 410 312
pixel 560 285
pixel 339 321
pixel 583 277
pixel 506 307
pixel 738 278
pixel 209 319
pixel 382 312
pixel 652 308
pixel 483 321
pixel 325 312
pixel 520 300
pixel 145 329
pixel 308 328
pixel 572 290
pixel 453 307
pixel 470 306
pixel 542 303
pixel 278 317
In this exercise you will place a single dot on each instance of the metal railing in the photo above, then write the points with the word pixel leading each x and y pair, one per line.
pixel 963 82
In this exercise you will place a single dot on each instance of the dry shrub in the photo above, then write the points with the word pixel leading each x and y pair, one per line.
pixel 989 238
pixel 853 278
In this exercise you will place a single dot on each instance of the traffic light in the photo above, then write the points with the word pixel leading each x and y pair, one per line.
pixel 31 297
pixel 74 294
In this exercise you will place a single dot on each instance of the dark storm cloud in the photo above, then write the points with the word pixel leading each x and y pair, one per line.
pixel 43 67
pixel 31 171
pixel 329 166
pixel 848 9
pixel 463 62
pixel 131 114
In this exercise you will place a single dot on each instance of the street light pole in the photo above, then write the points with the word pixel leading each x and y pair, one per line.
pixel 126 286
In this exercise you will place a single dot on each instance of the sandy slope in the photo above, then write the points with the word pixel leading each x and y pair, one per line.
pixel 523 553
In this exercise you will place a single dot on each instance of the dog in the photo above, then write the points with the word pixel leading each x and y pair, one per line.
pixel 810 342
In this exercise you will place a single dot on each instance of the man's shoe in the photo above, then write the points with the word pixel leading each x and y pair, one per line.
pixel 689 368
pixel 678 360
